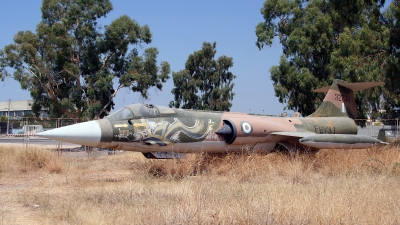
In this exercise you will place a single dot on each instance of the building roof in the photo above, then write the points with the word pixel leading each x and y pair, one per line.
pixel 16 105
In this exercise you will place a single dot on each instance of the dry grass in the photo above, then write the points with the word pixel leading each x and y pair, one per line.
pixel 331 187
pixel 27 160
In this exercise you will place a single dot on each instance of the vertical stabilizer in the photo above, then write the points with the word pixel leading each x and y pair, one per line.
pixel 339 101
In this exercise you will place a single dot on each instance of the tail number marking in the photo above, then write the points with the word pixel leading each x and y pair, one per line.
pixel 324 130
pixel 342 98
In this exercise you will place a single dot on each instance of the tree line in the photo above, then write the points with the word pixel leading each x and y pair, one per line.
pixel 356 41
pixel 70 64
pixel 75 68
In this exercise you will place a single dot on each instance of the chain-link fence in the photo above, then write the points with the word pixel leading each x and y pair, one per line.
pixel 371 127
pixel 20 126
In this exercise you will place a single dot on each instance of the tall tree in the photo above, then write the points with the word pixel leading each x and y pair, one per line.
pixel 205 83
pixel 69 65
pixel 313 35
pixel 392 88
pixel 360 54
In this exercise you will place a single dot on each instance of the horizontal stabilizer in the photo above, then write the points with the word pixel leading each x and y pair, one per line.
pixel 352 86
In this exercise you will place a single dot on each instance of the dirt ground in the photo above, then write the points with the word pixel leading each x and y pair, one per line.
pixel 12 211
pixel 13 207
pixel 38 186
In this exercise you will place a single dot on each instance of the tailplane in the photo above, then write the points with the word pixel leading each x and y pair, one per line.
pixel 339 101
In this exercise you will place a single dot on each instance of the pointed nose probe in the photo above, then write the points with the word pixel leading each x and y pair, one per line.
pixel 86 133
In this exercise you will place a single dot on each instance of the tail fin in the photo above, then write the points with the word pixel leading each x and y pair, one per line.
pixel 382 135
pixel 339 101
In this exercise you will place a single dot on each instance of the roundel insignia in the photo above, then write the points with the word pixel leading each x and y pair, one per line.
pixel 246 128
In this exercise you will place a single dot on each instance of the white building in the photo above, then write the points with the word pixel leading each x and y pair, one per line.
pixel 17 108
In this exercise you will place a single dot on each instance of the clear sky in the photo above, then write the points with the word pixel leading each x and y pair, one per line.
pixel 179 28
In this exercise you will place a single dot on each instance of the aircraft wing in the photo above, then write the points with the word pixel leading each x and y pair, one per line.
pixel 282 136
pixel 290 140
pixel 293 134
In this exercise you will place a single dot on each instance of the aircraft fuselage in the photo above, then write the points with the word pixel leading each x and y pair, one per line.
pixel 193 131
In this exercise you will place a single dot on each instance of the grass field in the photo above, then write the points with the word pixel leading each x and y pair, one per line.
pixel 331 187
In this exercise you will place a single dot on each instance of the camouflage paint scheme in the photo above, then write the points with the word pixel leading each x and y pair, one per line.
pixel 148 128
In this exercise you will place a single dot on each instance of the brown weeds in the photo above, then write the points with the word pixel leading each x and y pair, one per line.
pixel 330 187
pixel 28 159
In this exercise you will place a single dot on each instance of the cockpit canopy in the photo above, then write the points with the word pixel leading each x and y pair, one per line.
pixel 140 111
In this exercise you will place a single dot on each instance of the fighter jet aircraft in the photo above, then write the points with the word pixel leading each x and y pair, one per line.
pixel 162 132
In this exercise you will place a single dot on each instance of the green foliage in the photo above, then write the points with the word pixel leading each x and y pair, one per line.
pixel 28 115
pixel 69 64
pixel 205 83
pixel 323 41
pixel 391 92
pixel 3 118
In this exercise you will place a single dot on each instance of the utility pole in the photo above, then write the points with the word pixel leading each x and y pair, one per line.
pixel 8 116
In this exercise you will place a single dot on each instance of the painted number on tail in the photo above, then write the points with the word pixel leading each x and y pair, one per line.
pixel 342 98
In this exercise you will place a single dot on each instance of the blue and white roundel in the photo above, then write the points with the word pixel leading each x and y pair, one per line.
pixel 246 128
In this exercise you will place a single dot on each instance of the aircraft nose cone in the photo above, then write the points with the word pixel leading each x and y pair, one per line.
pixel 87 133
